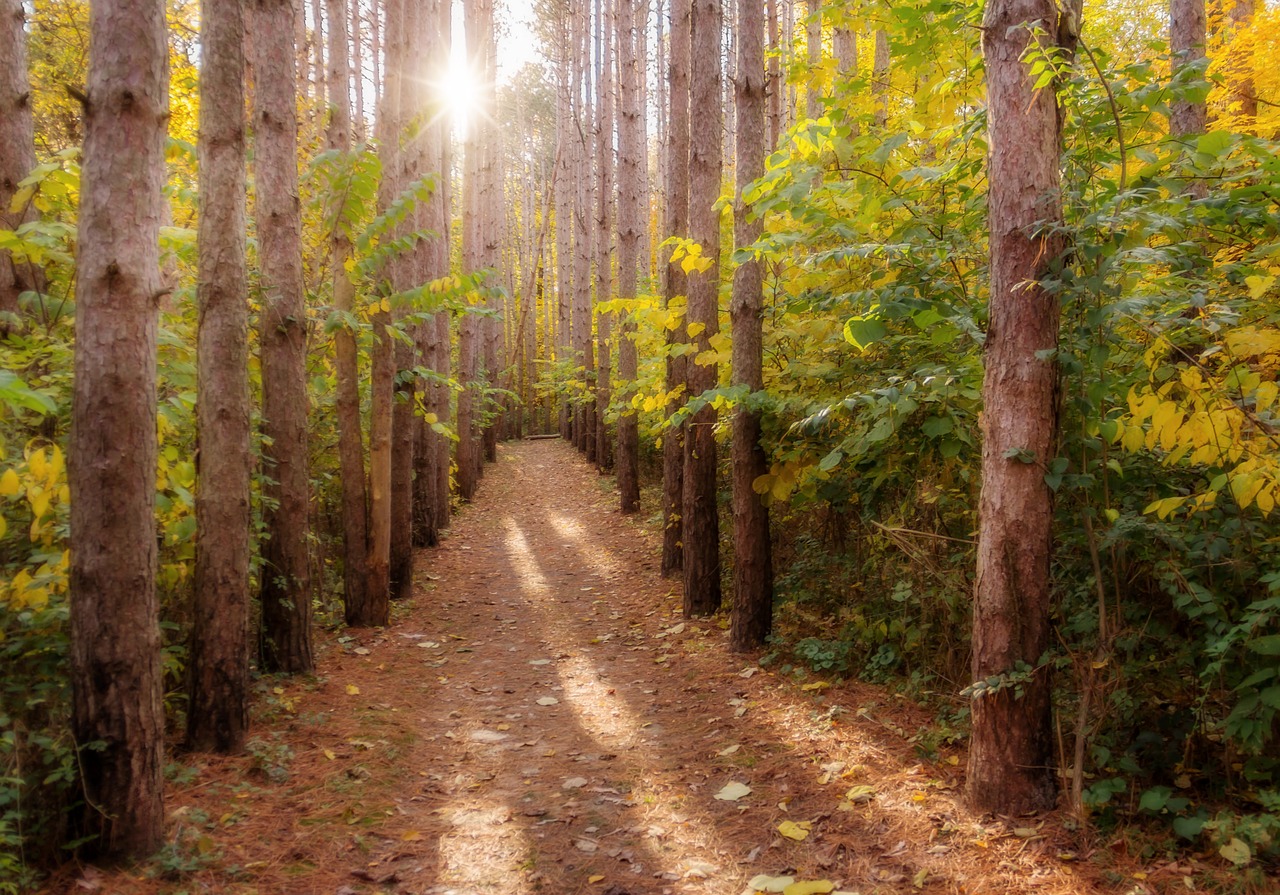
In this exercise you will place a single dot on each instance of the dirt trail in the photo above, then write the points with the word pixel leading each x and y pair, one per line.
pixel 541 719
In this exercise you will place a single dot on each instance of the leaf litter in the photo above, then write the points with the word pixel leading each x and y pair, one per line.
pixel 432 805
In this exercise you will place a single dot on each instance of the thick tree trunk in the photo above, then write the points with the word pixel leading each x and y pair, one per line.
pixel 752 617
pixel 1186 40
pixel 493 226
pixel 118 715
pixel 218 666
pixel 355 497
pixel 1244 92
pixel 677 224
pixel 1011 754
pixel 17 154
pixel 382 376
pixel 286 573
pixel 701 514
pixel 470 330
pixel 444 319
pixel 630 223
pixel 317 57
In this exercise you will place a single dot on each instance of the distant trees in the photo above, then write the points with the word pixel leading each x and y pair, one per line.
pixel 17 153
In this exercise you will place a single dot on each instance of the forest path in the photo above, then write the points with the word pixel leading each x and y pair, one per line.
pixel 539 719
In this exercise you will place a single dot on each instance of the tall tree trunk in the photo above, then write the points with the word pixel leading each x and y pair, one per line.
pixel 1011 754
pixel 427 520
pixel 844 45
pixel 630 223
pixel 444 352
pixel 701 515
pixel 493 210
pixel 409 270
pixel 752 617
pixel 357 70
pixel 564 216
pixel 382 376
pixel 1244 92
pixel 604 232
pixel 118 716
pixel 218 666
pixel 677 225
pixel 813 45
pixel 1186 40
pixel 286 572
pixel 17 154
pixel 355 497
pixel 584 354
pixel 317 57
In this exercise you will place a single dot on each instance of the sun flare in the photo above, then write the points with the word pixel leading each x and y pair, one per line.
pixel 460 92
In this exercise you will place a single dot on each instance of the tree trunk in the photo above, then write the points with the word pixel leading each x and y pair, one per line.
pixel 752 617
pixel 408 269
pixel 776 87
pixel 317 57
pixel 286 573
pixel 1186 40
pixel 444 319
pixel 677 225
pixel 218 666
pixel 118 715
pixel 564 218
pixel 1244 94
pixel 584 355
pixel 701 515
pixel 471 332
pixel 382 376
pixel 630 223
pixel 604 232
pixel 357 71
pixel 1011 754
pixel 813 45
pixel 17 154
pixel 492 226
pixel 428 520
pixel 355 497
pixel 880 77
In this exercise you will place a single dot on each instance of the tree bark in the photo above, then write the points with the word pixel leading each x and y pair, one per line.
pixel 813 45
pixel 317 57
pixel 17 154
pixel 604 232
pixel 355 496
pixel 584 355
pixel 285 643
pixel 1186 40
pixel 382 376
pixel 677 225
pixel 776 86
pixel 408 273
pixel 880 77
pixel 1011 754
pixel 701 514
pixel 218 666
pixel 630 223
pixel 444 319
pixel 118 715
pixel 752 617
pixel 564 217
pixel 493 226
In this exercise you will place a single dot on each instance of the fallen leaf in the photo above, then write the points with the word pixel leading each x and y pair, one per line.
pixel 733 791
pixel 329 754
pixel 792 830
pixel 816 685
pixel 539 661
pixel 586 846
pixel 361 651
pixel 810 887
pixel 353 690
pixel 919 879
pixel 411 836
pixel 729 750
pixel 595 879
pixel 1237 852
pixel 861 793
pixel 765 883
pixel 548 700
pixel 574 783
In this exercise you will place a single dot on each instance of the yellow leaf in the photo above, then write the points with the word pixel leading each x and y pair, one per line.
pixel 431 419
pixel 10 484
pixel 4 526
pixel 1265 500
pixel 696 329
pixel 816 685
pixel 810 887
pixel 329 754
pixel 795 831
pixel 39 503
pixel 410 836
pixel 595 879
pixel 353 690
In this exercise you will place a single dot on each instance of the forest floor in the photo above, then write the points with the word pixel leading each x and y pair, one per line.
pixel 540 719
